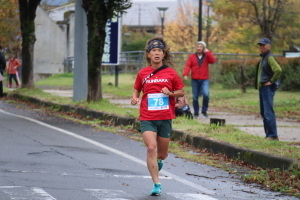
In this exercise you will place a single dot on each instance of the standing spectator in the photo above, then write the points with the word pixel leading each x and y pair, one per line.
pixel 160 85
pixel 198 64
pixel 13 65
pixel 267 74
pixel 2 69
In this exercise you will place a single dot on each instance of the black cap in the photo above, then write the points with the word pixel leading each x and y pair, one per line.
pixel 264 41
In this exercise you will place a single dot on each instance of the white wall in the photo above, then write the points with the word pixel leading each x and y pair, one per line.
pixel 50 46
pixel 71 35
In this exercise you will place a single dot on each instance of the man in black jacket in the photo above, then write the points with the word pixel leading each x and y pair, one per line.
pixel 2 68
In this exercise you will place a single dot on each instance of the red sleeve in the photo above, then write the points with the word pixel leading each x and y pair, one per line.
pixel 178 84
pixel 210 57
pixel 138 82
pixel 17 62
pixel 188 66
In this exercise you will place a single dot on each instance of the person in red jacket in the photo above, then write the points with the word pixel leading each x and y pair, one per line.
pixel 12 69
pixel 198 64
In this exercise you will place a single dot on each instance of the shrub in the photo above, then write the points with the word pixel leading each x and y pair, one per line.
pixel 231 72
pixel 290 78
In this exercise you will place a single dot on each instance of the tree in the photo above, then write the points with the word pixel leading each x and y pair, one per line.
pixel 98 13
pixel 134 40
pixel 182 32
pixel 242 22
pixel 10 36
pixel 27 15
pixel 267 15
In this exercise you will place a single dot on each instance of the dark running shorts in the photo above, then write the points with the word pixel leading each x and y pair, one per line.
pixel 163 128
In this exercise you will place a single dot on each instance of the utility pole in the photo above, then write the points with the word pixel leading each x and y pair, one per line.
pixel 80 83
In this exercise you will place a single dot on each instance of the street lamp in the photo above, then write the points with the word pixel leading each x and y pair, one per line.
pixel 162 11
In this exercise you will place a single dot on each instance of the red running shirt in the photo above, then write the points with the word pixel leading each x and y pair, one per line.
pixel 165 78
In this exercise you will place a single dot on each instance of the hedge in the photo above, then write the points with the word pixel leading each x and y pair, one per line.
pixel 231 75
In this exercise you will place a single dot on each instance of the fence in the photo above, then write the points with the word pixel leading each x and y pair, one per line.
pixel 132 61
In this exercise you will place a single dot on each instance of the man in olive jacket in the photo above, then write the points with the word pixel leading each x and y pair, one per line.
pixel 267 74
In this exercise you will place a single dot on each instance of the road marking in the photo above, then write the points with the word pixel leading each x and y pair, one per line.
pixel 134 176
pixel 109 194
pixel 21 193
pixel 190 196
pixel 88 175
pixel 120 153
pixel 36 193
pixel 9 187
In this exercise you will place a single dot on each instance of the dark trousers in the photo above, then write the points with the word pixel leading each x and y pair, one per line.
pixel 266 99
pixel 200 87
pixel 12 76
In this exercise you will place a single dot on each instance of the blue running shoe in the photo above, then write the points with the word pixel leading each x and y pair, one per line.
pixel 156 189
pixel 160 164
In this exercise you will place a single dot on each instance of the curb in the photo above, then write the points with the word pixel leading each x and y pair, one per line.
pixel 255 158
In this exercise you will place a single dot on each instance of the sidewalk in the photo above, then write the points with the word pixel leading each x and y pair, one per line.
pixel 287 130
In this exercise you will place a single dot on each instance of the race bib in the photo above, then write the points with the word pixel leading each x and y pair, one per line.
pixel 158 101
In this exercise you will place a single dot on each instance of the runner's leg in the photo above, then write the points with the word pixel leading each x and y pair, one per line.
pixel 151 144
pixel 162 147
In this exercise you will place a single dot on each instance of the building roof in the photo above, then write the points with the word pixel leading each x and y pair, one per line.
pixel 57 14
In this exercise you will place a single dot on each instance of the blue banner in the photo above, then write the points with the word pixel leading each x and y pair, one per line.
pixel 112 46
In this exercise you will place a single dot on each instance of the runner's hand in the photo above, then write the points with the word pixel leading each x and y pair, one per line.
pixel 134 101
pixel 165 90
pixel 185 78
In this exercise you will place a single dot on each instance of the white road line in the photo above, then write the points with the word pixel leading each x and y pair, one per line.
pixel 21 193
pixel 109 194
pixel 88 175
pixel 190 196
pixel 175 177
pixel 9 187
pixel 134 176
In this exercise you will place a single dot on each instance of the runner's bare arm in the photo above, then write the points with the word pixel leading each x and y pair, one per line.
pixel 176 93
pixel 135 97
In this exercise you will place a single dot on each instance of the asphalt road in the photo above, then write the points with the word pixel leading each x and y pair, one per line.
pixel 44 157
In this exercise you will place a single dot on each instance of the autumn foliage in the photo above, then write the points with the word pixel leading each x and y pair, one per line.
pixel 236 25
pixel 10 36
pixel 182 33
